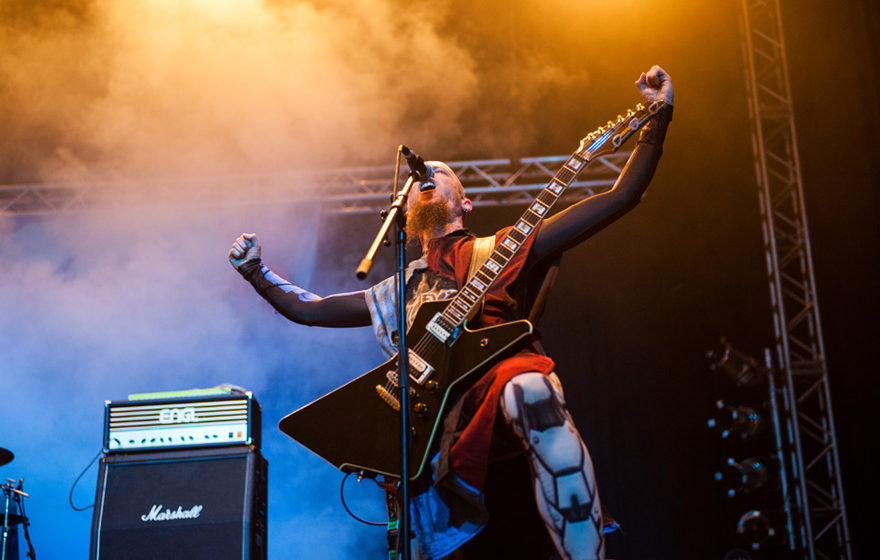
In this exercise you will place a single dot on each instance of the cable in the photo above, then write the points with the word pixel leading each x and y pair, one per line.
pixel 342 497
pixel 70 496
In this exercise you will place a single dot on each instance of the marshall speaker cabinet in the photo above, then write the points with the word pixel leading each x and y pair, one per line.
pixel 181 477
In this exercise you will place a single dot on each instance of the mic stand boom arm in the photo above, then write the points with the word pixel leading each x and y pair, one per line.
pixel 397 216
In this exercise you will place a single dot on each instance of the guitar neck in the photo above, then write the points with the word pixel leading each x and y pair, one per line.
pixel 606 139
pixel 469 296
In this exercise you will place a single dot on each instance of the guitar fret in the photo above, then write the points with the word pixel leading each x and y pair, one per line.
pixel 493 266
pixel 513 234
pixel 480 285
pixel 467 290
pixel 475 292
pixel 465 307
pixel 452 320
pixel 466 296
pixel 504 251
pixel 446 322
pixel 510 243
pixel 556 186
pixel 547 197
pixel 484 276
pixel 531 217
pixel 539 208
pixel 564 175
pixel 574 163
pixel 524 227
pixel 460 308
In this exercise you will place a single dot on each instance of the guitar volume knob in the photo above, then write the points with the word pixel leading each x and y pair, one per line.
pixel 420 408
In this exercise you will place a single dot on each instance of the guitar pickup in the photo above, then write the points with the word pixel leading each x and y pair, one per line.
pixel 420 369
pixel 434 327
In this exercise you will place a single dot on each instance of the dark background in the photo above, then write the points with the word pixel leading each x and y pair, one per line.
pixel 636 307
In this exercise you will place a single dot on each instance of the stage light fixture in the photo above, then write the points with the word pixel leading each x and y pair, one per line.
pixel 742 476
pixel 737 554
pixel 742 369
pixel 755 528
pixel 740 420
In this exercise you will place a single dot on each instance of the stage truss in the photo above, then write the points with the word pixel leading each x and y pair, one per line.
pixel 817 523
pixel 816 512
pixel 489 182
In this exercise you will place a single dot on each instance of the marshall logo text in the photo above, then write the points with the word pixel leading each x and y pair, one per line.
pixel 156 513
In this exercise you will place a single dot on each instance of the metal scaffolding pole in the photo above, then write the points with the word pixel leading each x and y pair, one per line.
pixel 813 467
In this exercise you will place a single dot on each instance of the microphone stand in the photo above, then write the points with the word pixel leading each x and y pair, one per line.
pixel 396 215
pixel 8 491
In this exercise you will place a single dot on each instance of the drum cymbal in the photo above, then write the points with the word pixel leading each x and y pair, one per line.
pixel 5 456
pixel 13 519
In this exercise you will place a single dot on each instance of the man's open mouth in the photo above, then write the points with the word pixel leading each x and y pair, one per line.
pixel 428 186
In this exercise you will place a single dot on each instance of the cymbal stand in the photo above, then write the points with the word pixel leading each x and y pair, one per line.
pixel 10 493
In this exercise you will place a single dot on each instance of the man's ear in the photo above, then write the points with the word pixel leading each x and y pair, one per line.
pixel 466 205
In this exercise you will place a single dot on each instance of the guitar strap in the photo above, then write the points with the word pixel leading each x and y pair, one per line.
pixel 483 247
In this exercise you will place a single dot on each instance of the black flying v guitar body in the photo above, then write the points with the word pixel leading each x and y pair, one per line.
pixel 356 427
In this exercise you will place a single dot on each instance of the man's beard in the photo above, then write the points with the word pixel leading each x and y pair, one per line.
pixel 431 218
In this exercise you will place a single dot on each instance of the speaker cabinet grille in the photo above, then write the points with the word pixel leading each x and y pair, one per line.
pixel 196 504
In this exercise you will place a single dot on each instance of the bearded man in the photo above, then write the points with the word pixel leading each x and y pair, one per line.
pixel 512 425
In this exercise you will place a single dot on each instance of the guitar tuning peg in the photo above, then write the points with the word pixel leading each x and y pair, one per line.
pixel 609 124
pixel 619 119
pixel 640 107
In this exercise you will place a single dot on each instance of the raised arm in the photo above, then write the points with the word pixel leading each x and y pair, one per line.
pixel 583 219
pixel 295 303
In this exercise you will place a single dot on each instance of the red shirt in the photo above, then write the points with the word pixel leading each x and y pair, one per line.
pixel 469 428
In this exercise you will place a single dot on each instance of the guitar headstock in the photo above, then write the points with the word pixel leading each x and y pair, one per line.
pixel 609 138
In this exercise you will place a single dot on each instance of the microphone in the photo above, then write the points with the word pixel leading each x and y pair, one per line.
pixel 417 166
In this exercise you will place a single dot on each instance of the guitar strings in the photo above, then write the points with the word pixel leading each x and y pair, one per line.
pixel 428 343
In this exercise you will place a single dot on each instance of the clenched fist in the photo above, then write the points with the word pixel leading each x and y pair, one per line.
pixel 656 85
pixel 245 248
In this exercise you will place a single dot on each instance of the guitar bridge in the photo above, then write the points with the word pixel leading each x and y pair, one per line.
pixel 393 378
pixel 386 396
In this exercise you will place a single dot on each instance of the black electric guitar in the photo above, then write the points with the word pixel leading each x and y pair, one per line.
pixel 357 426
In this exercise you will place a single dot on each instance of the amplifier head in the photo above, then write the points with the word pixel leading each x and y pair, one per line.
pixel 183 422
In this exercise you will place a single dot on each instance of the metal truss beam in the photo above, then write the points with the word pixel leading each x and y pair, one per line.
pixel 818 512
pixel 490 182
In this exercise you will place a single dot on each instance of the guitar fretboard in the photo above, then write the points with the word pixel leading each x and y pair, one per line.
pixel 469 296
pixel 614 133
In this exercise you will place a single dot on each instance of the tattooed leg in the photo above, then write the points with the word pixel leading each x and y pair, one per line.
pixel 565 487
